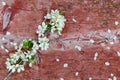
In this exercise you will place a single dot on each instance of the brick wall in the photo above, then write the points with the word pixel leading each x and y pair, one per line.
pixel 93 25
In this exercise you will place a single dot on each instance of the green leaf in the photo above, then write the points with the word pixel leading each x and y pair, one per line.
pixel 48 25
pixel 56 29
pixel 61 13
pixel 27 44
pixel 32 60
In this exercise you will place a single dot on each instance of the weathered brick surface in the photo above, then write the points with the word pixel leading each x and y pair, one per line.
pixel 94 18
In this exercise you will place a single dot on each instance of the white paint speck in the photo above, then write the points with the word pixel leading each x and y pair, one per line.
pixel 61 78
pixel 65 65
pixel 114 78
pixel 109 31
pixel 74 20
pixel 30 64
pixel 92 41
pixel 3 3
pixel 107 63
pixel 78 47
pixel 16 47
pixel 2 47
pixel 118 53
pixel 108 48
pixel 115 37
pixel 8 33
pixel 111 42
pixel 90 78
pixel 116 23
pixel 96 55
pixel 57 60
pixel 3 38
pixel 76 73
pixel 109 79
pixel 102 44
pixel 112 74
pixel 14 43
pixel 6 50
pixel 11 43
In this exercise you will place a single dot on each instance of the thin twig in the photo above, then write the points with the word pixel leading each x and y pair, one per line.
pixel 7 76
pixel 37 60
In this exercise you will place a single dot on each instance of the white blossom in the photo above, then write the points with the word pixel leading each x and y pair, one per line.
pixel 41 29
pixel 23 57
pixel 44 45
pixel 14 58
pixel 35 46
pixel 56 20
pixel 53 29
pixel 20 68
pixel 30 64
pixel 13 68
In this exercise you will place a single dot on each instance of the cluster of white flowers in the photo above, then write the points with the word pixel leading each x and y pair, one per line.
pixel 55 22
pixel 27 50
pixel 17 60
pixel 14 58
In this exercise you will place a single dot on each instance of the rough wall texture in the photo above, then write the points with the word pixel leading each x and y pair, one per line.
pixel 87 20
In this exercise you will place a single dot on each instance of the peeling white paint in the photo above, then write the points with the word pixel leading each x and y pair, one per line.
pixel 6 50
pixel 90 78
pixel 3 3
pixel 8 33
pixel 2 47
pixel 61 78
pixel 108 48
pixel 74 20
pixel 92 41
pixel 116 23
pixel 114 78
pixel 115 37
pixel 65 65
pixel 3 38
pixel 96 55
pixel 107 63
pixel 58 60
pixel 112 74
pixel 118 53
pixel 78 47
pixel 76 73
pixel 109 31
pixel 111 42
pixel 109 79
